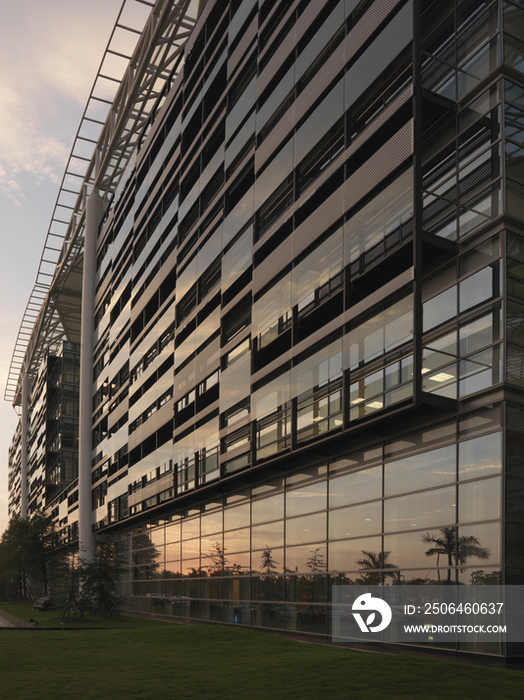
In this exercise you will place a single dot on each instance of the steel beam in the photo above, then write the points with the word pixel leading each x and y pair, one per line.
pixel 157 56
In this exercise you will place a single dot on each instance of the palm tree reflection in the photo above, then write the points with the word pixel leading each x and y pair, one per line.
pixel 456 549
pixel 374 563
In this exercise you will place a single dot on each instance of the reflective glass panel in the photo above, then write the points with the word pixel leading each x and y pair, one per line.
pixel 483 254
pixel 481 420
pixel 418 510
pixel 310 558
pixel 191 549
pixel 476 289
pixel 385 331
pixel 515 498
pixel 480 456
pixel 173 552
pixel 358 486
pixel 439 351
pixel 480 371
pixel 316 270
pixel 212 522
pixel 209 545
pixel 443 382
pixel 514 539
pixel 515 365
pixel 268 561
pixel 268 509
pixel 479 331
pixel 173 532
pixel 346 555
pixel 386 213
pixel 276 98
pixel 323 35
pixel 515 279
pixel 271 310
pixel 421 471
pixel 515 243
pixel 190 528
pixel 414 550
pixel 157 536
pixel 356 521
pixel 306 499
pixel 515 322
pixel 270 535
pixel 236 517
pixel 322 118
pixel 479 545
pixel 480 500
pixel 311 528
pixel 237 259
pixel 237 540
pixel 235 382
pixel 441 308
pixel 393 38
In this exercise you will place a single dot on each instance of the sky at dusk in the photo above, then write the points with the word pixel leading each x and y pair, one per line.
pixel 49 55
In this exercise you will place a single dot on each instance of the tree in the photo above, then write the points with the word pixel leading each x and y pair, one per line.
pixel 14 560
pixel 29 561
pixel 47 565
pixel 457 549
pixel 99 578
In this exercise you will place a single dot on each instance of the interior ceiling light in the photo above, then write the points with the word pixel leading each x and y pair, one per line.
pixel 441 377
pixel 375 404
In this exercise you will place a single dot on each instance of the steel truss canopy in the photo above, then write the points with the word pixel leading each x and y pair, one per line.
pixel 143 56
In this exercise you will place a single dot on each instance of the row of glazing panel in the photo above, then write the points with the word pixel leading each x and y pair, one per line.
pixel 318 525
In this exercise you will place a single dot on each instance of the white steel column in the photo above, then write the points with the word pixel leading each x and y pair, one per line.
pixel 94 213
pixel 24 470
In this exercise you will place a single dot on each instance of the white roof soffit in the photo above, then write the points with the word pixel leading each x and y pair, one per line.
pixel 143 56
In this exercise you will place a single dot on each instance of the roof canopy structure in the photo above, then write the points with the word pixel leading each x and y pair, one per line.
pixel 139 64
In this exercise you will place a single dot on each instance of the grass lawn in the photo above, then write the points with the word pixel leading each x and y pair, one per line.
pixel 53 618
pixel 158 659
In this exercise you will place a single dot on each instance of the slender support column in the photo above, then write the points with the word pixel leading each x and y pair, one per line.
pixel 418 212
pixel 26 390
pixel 94 213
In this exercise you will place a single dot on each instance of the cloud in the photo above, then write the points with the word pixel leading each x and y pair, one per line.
pixel 46 72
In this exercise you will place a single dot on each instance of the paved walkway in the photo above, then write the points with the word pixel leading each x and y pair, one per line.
pixel 7 620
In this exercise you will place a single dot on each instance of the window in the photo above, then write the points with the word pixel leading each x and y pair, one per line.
pixel 273 433
pixel 186 474
pixel 319 411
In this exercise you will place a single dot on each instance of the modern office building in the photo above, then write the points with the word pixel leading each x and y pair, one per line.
pixel 53 442
pixel 303 287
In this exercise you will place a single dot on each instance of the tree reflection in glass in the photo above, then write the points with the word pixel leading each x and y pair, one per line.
pixel 457 549
pixel 316 561
pixel 269 582
pixel 374 563
pixel 482 578
pixel 148 557
pixel 269 565
pixel 219 563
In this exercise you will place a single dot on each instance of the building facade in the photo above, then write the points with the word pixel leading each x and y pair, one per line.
pixel 308 315
pixel 52 438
